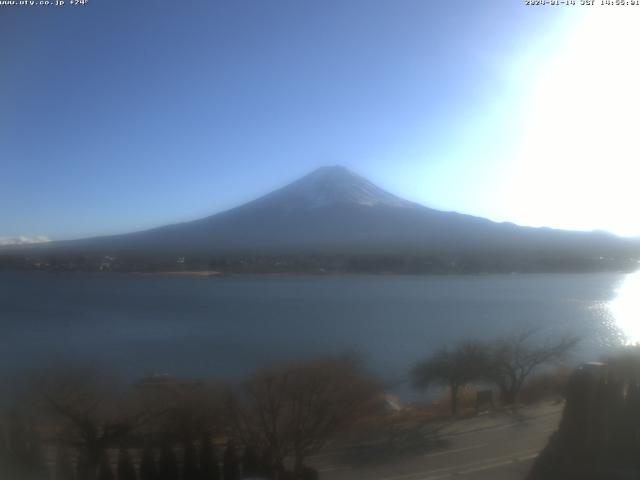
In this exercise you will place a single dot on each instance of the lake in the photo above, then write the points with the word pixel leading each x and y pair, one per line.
pixel 224 327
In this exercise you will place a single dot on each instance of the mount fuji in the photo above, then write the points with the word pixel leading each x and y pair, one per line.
pixel 335 211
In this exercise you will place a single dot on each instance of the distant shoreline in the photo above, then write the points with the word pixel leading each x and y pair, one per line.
pixel 190 273
pixel 204 274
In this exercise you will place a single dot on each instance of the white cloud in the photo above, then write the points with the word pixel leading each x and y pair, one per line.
pixel 23 240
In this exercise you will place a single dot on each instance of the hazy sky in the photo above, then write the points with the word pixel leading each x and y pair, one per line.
pixel 121 115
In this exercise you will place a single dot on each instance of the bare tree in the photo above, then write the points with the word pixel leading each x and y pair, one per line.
pixel 21 452
pixel 260 415
pixel 208 459
pixel 148 465
pixel 4 452
pixel 104 468
pixel 93 413
pixel 453 368
pixel 126 469
pixel 514 358
pixel 325 397
pixel 189 408
pixel 230 462
pixel 297 410
pixel 62 469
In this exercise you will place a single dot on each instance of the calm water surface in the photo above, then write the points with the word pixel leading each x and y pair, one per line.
pixel 225 327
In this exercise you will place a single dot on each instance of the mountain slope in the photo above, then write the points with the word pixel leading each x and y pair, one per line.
pixel 334 211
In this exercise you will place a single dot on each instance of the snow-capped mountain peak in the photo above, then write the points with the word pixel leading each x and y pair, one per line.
pixel 331 185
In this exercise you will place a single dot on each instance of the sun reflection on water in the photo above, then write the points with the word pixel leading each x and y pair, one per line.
pixel 625 308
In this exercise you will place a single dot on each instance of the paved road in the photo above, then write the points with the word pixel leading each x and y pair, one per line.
pixel 493 447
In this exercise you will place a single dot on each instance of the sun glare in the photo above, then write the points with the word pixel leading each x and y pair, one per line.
pixel 625 308
pixel 579 157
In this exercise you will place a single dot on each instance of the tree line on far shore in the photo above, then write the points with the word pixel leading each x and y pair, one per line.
pixel 401 263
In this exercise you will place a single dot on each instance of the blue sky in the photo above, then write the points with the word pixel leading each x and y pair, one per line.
pixel 119 115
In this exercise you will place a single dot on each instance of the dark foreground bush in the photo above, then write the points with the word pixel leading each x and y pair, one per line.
pixel 599 434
